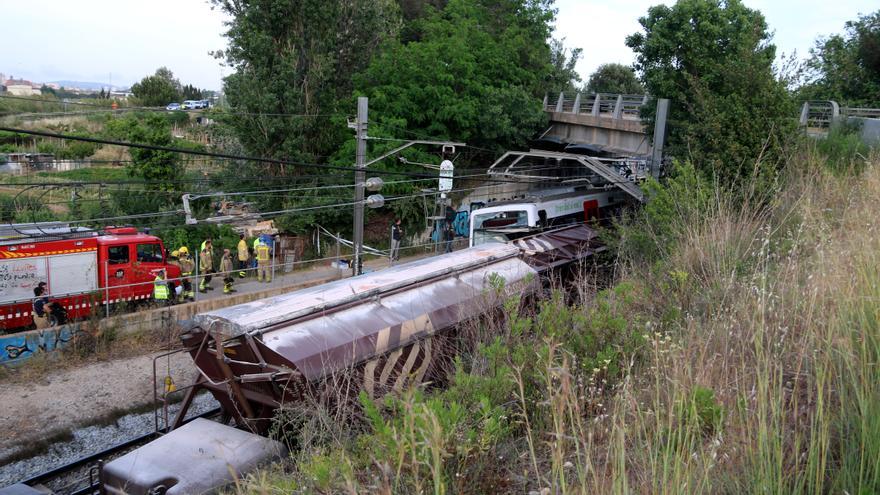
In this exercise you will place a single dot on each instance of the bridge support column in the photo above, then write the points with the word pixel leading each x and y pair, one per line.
pixel 559 102
pixel 659 136
pixel 597 105
pixel 618 107
pixel 805 114
pixel 577 104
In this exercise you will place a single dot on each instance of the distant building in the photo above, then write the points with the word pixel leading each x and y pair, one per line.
pixel 21 87
pixel 120 94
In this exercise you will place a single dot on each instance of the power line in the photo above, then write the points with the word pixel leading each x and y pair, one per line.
pixel 105 108
pixel 228 156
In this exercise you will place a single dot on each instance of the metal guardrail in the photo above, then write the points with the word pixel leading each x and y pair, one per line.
pixel 607 105
pixel 821 114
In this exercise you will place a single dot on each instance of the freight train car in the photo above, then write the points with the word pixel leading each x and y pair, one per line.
pixel 386 326
pixel 381 331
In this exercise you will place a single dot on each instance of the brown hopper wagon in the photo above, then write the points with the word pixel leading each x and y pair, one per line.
pixel 385 328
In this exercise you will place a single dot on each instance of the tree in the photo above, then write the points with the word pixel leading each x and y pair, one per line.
pixel 615 79
pixel 298 58
pixel 476 73
pixel 846 67
pixel 713 59
pixel 157 90
pixel 191 92
pixel 161 168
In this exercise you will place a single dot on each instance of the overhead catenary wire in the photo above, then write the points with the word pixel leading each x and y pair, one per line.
pixel 229 156
pixel 107 108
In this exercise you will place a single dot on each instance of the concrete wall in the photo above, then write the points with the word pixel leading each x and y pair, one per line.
pixel 870 130
pixel 18 347
pixel 621 135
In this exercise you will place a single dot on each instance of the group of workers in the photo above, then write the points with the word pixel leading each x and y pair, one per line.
pixel 261 251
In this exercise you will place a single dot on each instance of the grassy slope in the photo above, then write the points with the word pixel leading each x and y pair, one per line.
pixel 744 360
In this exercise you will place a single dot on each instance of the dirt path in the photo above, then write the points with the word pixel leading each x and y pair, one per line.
pixel 80 396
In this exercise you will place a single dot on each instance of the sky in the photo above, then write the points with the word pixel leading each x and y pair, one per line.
pixel 124 40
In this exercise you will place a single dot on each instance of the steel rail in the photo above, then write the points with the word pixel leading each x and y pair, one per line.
pixel 66 468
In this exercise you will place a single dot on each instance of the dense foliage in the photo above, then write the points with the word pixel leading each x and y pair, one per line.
pixel 475 73
pixel 464 70
pixel 293 65
pixel 846 67
pixel 615 79
pixel 713 59
pixel 157 90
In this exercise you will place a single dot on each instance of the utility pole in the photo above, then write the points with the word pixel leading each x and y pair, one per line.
pixel 360 176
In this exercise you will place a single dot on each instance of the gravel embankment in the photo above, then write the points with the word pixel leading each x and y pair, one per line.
pixel 90 440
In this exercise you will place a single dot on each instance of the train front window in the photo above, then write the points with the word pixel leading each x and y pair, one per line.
pixel 501 219
pixel 490 227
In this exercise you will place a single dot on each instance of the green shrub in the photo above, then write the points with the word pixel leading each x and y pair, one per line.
pixel 843 148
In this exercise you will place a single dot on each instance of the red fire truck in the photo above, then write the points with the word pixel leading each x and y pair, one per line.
pixel 81 270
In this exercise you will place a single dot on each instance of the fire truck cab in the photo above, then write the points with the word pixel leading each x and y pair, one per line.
pixel 81 273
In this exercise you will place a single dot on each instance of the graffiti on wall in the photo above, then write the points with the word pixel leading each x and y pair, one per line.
pixel 462 223
pixel 17 347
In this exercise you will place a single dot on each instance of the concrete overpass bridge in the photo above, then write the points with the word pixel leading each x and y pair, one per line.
pixel 604 124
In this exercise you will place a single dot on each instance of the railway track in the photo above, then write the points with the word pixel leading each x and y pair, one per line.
pixel 80 477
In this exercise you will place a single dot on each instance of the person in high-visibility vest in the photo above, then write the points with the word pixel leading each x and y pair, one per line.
pixel 242 256
pixel 226 270
pixel 160 288
pixel 206 265
pixel 264 270
pixel 187 265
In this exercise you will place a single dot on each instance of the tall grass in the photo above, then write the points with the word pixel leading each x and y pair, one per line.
pixel 740 356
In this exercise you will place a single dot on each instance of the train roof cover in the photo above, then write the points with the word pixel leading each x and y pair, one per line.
pixel 395 295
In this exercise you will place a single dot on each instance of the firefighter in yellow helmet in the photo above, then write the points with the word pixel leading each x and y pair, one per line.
pixel 187 266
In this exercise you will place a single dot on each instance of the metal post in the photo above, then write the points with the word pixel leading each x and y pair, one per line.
pixel 359 179
pixel 195 280
pixel 659 136
pixel 107 287
pixel 275 247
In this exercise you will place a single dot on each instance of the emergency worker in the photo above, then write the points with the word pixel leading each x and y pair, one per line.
pixel 226 270
pixel 161 293
pixel 40 307
pixel 396 237
pixel 264 270
pixel 186 264
pixel 206 265
pixel 242 256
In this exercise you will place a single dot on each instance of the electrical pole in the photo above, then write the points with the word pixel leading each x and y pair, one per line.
pixel 360 176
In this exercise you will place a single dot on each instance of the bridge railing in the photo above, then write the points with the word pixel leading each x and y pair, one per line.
pixel 607 105
pixel 821 114
pixel 866 113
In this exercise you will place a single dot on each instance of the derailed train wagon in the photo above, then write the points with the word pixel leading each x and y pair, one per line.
pixel 386 328
pixel 382 331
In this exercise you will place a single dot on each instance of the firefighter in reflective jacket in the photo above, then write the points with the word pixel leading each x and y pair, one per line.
pixel 263 261
pixel 160 288
pixel 206 265
pixel 226 270
pixel 185 261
